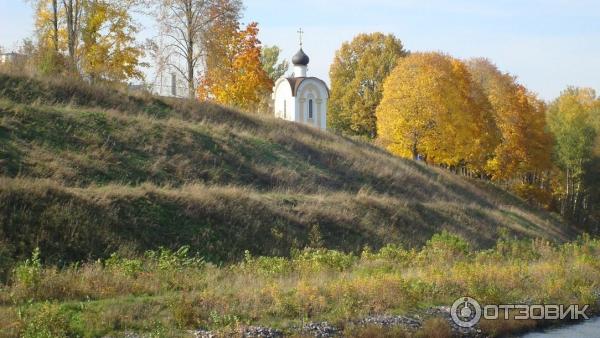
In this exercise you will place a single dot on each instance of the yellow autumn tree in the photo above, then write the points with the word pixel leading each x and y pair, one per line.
pixel 47 24
pixel 432 109
pixel 51 36
pixel 526 146
pixel 93 38
pixel 238 79
pixel 109 51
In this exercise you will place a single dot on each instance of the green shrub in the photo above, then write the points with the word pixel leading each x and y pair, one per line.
pixel 266 266
pixel 391 252
pixel 47 321
pixel 517 249
pixel 169 260
pixel 317 259
pixel 130 267
pixel 446 245
pixel 220 321
pixel 185 313
pixel 28 273
pixel 315 238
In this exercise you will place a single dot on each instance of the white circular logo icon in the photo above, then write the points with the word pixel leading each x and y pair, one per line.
pixel 466 312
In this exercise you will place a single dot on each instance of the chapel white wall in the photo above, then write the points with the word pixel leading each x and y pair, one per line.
pixel 317 91
pixel 283 95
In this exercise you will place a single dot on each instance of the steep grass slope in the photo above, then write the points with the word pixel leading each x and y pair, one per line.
pixel 88 171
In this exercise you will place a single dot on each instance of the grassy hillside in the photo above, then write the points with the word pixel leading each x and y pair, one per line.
pixel 88 171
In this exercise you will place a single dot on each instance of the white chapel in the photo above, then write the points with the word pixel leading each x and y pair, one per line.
pixel 301 98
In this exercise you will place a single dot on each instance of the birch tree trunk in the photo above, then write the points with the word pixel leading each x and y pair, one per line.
pixel 73 17
pixel 55 24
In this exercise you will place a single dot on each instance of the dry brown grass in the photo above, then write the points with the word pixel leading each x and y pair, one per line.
pixel 374 331
pixel 10 322
pixel 89 282
pixel 504 327
pixel 436 328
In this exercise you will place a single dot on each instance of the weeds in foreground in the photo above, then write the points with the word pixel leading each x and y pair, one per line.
pixel 176 291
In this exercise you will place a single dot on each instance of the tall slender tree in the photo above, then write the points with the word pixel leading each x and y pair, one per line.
pixel 73 12
pixel 47 13
pixel 98 38
pixel 55 24
pixel 184 24
pixel 571 118
pixel 50 35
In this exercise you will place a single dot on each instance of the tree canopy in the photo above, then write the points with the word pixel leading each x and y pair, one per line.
pixel 357 74
pixel 573 120
pixel 270 62
pixel 432 109
pixel 525 145
pixel 90 38
pixel 110 51
pixel 239 79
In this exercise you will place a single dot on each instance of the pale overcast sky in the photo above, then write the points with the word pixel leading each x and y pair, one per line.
pixel 548 44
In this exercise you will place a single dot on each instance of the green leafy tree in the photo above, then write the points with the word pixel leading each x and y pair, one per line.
pixel 572 119
pixel 357 76
pixel 269 59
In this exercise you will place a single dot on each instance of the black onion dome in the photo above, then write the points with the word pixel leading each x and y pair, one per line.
pixel 300 59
